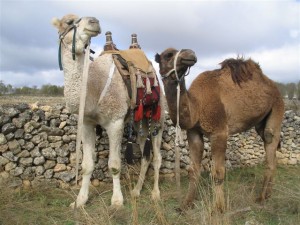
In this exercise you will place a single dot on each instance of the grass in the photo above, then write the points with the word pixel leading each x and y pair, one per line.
pixel 49 205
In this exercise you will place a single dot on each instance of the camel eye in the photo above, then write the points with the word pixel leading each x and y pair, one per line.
pixel 69 22
pixel 169 56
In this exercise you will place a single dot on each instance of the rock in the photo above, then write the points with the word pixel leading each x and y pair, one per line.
pixel 19 122
pixel 39 170
pixel 46 108
pixel 15 182
pixel 17 171
pixel 65 176
pixel 60 167
pixel 8 128
pixel 28 127
pixel 26 161
pixel 35 152
pixel 166 146
pixel 12 112
pixel 10 156
pixel 14 146
pixel 54 138
pixel 3 148
pixel 95 182
pixel 26 184
pixel 62 125
pixel 48 174
pixel 3 161
pixel 39 160
pixel 19 133
pixel 23 154
pixel 2 139
pixel 292 161
pixel 49 153
pixel 49 164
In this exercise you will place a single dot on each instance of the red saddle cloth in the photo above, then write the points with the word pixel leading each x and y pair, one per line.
pixel 148 104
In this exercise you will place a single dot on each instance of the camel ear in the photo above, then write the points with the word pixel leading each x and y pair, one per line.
pixel 56 22
pixel 157 58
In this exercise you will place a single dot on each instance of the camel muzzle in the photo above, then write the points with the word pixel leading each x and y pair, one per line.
pixel 188 57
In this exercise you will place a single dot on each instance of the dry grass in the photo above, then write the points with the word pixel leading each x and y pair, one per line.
pixel 43 100
pixel 49 205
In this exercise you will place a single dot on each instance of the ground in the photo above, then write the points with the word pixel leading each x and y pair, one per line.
pixel 50 205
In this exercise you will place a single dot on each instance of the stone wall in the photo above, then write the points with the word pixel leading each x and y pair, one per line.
pixel 39 144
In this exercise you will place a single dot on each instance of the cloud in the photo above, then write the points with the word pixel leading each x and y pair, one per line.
pixel 267 31
pixel 19 79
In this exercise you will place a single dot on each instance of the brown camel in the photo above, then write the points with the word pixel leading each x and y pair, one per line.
pixel 219 103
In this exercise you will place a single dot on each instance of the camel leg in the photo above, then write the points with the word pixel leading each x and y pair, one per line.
pixel 271 138
pixel 218 149
pixel 115 134
pixel 156 142
pixel 196 146
pixel 144 167
pixel 88 159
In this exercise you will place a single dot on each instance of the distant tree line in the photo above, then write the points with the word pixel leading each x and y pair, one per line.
pixel 47 90
pixel 288 90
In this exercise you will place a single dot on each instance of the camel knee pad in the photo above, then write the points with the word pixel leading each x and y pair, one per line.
pixel 268 135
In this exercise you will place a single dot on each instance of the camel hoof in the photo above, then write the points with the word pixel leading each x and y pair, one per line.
pixel 135 193
pixel 72 205
pixel 260 200
pixel 155 195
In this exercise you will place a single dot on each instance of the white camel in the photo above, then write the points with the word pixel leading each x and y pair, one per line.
pixel 111 112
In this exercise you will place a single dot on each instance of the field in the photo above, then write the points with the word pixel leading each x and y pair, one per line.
pixel 49 205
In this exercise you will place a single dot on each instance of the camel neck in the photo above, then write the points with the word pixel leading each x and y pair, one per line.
pixel 72 78
pixel 170 87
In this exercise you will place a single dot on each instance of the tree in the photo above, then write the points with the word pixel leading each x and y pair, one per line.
pixel 298 90
pixel 3 88
pixel 281 88
pixel 291 88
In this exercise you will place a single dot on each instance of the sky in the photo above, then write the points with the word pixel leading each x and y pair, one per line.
pixel 266 31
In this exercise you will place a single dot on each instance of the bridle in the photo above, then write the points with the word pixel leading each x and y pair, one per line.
pixel 72 26
pixel 174 70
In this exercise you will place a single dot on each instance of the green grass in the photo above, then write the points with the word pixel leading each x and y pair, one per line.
pixel 49 205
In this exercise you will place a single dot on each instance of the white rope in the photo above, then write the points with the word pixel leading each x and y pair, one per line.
pixel 178 136
pixel 81 107
pixel 108 82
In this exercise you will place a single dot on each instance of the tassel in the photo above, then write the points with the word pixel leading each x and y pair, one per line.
pixel 156 113
pixel 147 148
pixel 129 153
pixel 148 86
pixel 139 112
pixel 148 113
pixel 98 130
pixel 155 82
pixel 139 81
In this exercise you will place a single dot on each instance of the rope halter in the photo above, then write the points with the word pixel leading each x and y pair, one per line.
pixel 175 69
pixel 72 26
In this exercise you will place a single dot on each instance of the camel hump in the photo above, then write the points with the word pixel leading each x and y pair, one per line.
pixel 241 69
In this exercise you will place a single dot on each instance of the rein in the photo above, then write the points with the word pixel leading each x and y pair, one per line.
pixel 62 36
pixel 178 135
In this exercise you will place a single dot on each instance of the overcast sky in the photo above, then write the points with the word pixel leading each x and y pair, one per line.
pixel 267 31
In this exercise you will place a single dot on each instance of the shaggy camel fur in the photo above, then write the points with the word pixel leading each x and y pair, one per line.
pixel 220 103
pixel 111 112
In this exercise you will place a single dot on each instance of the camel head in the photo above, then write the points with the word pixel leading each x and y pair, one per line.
pixel 75 34
pixel 175 63
pixel 86 27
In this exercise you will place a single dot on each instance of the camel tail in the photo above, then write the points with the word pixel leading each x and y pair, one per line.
pixel 147 148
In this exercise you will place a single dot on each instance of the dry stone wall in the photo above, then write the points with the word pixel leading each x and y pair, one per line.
pixel 39 144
